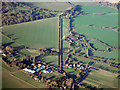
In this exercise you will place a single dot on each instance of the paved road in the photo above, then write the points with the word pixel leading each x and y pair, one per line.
pixel 60 62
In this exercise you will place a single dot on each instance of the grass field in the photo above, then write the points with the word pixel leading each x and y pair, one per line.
pixel 8 42
pixel 52 5
pixel 32 52
pixel 20 8
pixel 36 34
pixel 65 33
pixel 44 34
pixel 7 68
pixel 65 27
pixel 99 34
pixel 113 54
pixel 98 21
pixel 18 79
pixel 9 81
pixel 97 64
pixel 97 27
pixel 102 79
pixel 98 45
pixel 23 76
pixel 53 75
pixel 52 60
pixel 71 71
pixel 97 9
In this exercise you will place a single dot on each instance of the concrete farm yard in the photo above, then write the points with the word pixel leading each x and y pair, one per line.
pixel 73 46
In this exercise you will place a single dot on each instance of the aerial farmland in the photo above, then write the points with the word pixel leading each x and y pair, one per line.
pixel 60 45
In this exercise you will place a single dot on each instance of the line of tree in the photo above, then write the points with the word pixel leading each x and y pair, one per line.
pixel 115 6
pixel 73 11
pixel 11 15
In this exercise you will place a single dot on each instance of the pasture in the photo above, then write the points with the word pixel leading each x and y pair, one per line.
pixel 98 45
pixel 18 79
pixel 24 76
pixel 71 71
pixel 32 52
pixel 65 27
pixel 96 64
pixel 53 75
pixel 65 34
pixel 8 42
pixel 96 21
pixel 20 8
pixel 98 9
pixel 35 34
pixel 52 60
pixel 60 6
pixel 65 46
pixel 9 81
pixel 107 36
pixel 9 69
pixel 111 55
pixel 102 79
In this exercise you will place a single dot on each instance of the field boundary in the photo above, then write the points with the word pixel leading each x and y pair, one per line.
pixel 28 22
pixel 10 73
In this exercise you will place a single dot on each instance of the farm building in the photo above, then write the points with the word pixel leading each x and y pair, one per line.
pixel 47 71
pixel 29 70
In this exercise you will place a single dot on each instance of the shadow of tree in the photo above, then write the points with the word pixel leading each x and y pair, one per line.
pixel 79 8
pixel 51 77
pixel 7 44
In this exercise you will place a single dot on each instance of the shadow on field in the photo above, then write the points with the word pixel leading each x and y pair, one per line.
pixel 7 44
pixel 15 38
pixel 9 35
pixel 79 8
pixel 19 47
pixel 51 77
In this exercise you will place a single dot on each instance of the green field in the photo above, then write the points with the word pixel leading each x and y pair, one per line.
pixel 102 79
pixel 53 75
pixel 97 64
pixel 98 45
pixel 111 55
pixel 44 34
pixel 18 79
pixel 20 8
pixel 97 9
pixel 71 71
pixel 65 34
pixel 32 52
pixel 8 42
pixel 99 34
pixel 52 5
pixel 98 27
pixel 65 27
pixel 36 34
pixel 96 21
pixel 52 60
pixel 24 76
pixel 9 81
